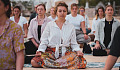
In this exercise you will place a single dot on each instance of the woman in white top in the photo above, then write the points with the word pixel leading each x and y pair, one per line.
pixel 99 16
pixel 87 25
pixel 22 21
pixel 79 22
pixel 36 28
pixel 53 15
pixel 58 44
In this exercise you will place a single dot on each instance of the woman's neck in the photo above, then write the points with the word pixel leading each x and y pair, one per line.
pixel 100 17
pixel 3 20
pixel 83 15
pixel 16 17
pixel 109 18
pixel 74 15
pixel 61 20
pixel 41 17
pixel 53 16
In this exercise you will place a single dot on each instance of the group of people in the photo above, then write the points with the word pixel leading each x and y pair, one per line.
pixel 54 39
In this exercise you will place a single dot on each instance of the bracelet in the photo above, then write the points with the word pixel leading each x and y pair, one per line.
pixel 84 33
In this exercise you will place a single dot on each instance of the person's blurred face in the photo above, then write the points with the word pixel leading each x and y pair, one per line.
pixel 100 12
pixel 40 10
pixel 3 9
pixel 61 12
pixel 12 12
pixel 35 8
pixel 74 10
pixel 82 11
pixel 16 12
pixel 52 11
pixel 109 11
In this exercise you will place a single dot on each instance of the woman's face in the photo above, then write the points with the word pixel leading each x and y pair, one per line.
pixel 3 9
pixel 52 11
pixel 16 12
pixel 74 10
pixel 109 11
pixel 40 10
pixel 82 11
pixel 100 12
pixel 61 12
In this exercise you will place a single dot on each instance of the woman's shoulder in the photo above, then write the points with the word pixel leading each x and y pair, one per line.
pixel 14 25
pixel 51 22
pixel 23 18
pixel 94 18
pixel 116 20
pixel 68 16
pixel 69 24
pixel 12 17
pixel 80 16
pixel 49 17
pixel 34 19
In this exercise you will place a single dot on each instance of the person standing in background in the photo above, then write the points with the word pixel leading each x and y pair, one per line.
pixel 33 15
pixel 22 21
pixel 12 13
pixel 53 15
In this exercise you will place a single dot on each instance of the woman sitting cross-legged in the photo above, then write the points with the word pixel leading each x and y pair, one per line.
pixel 58 47
pixel 105 32
pixel 36 28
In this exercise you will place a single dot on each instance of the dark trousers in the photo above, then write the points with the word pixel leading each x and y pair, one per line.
pixel 30 48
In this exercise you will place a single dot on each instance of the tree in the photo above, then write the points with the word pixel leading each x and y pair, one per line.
pixel 95 2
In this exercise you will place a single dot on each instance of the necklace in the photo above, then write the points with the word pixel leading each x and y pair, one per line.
pixel 109 22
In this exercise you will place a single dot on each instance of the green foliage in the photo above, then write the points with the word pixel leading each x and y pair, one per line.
pixel 95 2
pixel 13 3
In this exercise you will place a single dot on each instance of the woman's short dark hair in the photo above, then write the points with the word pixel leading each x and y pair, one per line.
pixel 74 4
pixel 18 7
pixel 7 3
pixel 41 5
pixel 62 4
pixel 54 9
pixel 82 7
pixel 97 15
pixel 108 6
pixel 101 8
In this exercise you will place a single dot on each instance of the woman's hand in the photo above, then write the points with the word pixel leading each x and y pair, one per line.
pixel 79 53
pixel 108 51
pixel 97 46
pixel 25 36
pixel 85 36
pixel 37 45
pixel 34 42
pixel 89 28
pixel 38 53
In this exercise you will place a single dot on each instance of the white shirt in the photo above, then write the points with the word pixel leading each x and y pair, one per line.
pixel 52 36
pixel 87 25
pixel 52 19
pixel 95 23
pixel 22 21
pixel 33 28
pixel 76 21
